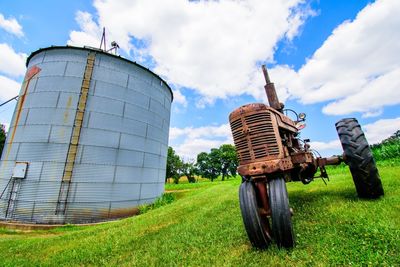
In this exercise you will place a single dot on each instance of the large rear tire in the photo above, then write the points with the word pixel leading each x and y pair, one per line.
pixel 282 227
pixel 359 157
pixel 256 225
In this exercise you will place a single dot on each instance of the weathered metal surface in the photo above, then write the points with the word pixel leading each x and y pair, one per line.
pixel 270 91
pixel 121 152
pixel 334 160
pixel 302 157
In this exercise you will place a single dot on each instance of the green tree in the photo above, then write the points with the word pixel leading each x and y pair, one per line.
pixel 2 137
pixel 208 165
pixel 220 161
pixel 228 160
pixel 188 169
pixel 174 165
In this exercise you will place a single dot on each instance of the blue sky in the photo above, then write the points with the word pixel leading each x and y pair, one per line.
pixel 329 59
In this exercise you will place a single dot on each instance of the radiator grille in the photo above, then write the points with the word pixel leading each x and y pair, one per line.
pixel 254 136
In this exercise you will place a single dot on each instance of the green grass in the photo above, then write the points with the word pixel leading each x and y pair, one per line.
pixel 165 199
pixel 203 227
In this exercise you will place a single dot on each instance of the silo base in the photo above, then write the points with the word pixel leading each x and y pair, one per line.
pixel 23 226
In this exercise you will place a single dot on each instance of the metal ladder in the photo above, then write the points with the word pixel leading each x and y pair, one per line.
pixel 15 185
pixel 76 131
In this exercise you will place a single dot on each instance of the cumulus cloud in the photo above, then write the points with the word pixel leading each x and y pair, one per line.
pixel 11 25
pixel 9 88
pixel 357 68
pixel 180 98
pixel 381 129
pixel 200 139
pixel 90 33
pixel 212 47
pixel 322 146
pixel 11 62
pixel 374 132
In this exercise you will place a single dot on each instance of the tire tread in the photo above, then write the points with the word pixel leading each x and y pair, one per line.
pixel 359 157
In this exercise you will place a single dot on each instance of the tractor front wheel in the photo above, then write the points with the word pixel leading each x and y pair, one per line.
pixel 282 227
pixel 255 223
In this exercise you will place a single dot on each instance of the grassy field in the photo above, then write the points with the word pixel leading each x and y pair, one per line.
pixel 203 227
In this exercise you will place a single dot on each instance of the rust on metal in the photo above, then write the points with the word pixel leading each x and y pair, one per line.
pixel 334 160
pixel 25 84
pixel 270 91
pixel 302 157
pixel 262 190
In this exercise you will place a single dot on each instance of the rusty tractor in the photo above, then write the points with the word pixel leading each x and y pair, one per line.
pixel 271 153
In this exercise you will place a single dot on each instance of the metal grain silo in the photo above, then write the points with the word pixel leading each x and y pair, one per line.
pixel 88 140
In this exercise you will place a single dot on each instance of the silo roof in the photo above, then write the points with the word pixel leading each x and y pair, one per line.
pixel 101 52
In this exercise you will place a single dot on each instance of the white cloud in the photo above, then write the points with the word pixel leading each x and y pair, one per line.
pixel 383 90
pixel 358 66
pixel 11 25
pixel 200 139
pixel 11 62
pixel 90 34
pixel 381 129
pixel 9 88
pixel 212 47
pixel 180 98
pixel 321 146
pixel 374 132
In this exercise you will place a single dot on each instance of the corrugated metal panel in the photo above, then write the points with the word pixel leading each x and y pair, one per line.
pixel 130 158
pixel 138 99
pixel 10 151
pixel 99 155
pixel 60 134
pixel 32 134
pixel 110 76
pixel 96 137
pixel 133 142
pixel 92 173
pixel 75 69
pixel 147 190
pixel 126 174
pixel 58 84
pixel 97 104
pixel 32 86
pixel 42 152
pixel 51 116
pixel 55 68
pixel 121 155
pixel 142 114
pixel 103 90
pixel 68 100
pixel 156 133
pixel 152 161
pixel 41 100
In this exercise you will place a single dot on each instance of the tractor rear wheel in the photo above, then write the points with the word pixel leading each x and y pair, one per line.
pixel 282 227
pixel 255 223
pixel 358 156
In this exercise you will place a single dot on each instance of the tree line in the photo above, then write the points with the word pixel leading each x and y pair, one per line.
pixel 220 161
